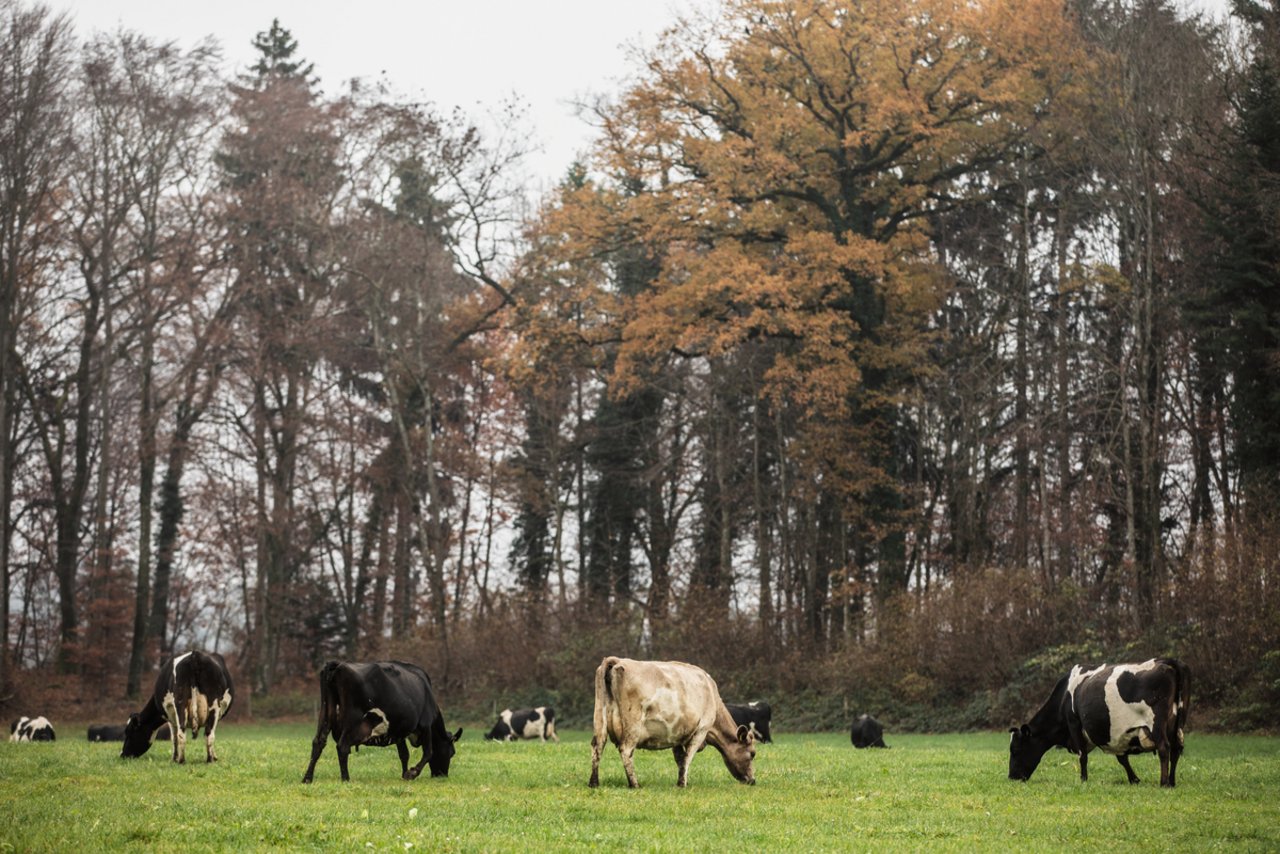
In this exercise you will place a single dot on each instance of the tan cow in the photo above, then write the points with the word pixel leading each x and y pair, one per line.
pixel 656 705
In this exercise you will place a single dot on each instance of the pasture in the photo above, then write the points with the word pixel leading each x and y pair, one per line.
pixel 815 792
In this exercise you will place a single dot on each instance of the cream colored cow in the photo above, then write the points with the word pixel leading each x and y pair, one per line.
pixel 665 705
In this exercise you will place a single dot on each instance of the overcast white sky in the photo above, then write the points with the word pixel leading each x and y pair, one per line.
pixel 472 54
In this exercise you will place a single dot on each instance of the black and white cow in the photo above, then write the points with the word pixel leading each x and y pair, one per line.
pixel 1120 709
pixel 32 729
pixel 755 716
pixel 193 690
pixel 538 722
pixel 381 703
pixel 106 732
pixel 867 732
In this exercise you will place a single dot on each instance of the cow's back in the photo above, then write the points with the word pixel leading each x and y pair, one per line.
pixel 658 704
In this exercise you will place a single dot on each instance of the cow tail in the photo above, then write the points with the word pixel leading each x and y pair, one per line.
pixel 604 695
pixel 328 691
pixel 1182 689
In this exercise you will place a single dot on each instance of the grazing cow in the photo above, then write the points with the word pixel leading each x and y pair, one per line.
pixel 192 690
pixel 1121 709
pixel 755 716
pixel 660 705
pixel 106 732
pixel 32 729
pixel 381 703
pixel 538 722
pixel 867 732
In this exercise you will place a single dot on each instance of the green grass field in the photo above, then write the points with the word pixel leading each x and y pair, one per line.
pixel 815 793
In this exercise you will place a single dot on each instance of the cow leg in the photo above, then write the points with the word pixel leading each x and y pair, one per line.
pixel 1123 759
pixel 210 731
pixel 1084 766
pixel 679 753
pixel 426 757
pixel 595 761
pixel 1175 753
pixel 317 746
pixel 627 751
pixel 177 736
pixel 403 750
pixel 344 751
pixel 690 750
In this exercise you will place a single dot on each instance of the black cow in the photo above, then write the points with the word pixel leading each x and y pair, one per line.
pixel 32 729
pixel 381 703
pixel 192 690
pixel 867 732
pixel 1121 709
pixel 106 732
pixel 538 722
pixel 755 716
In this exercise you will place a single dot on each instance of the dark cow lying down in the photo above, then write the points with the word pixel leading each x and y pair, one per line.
pixel 1120 709
pixel 192 690
pixel 755 716
pixel 32 729
pixel 111 732
pixel 867 732
pixel 660 705
pixel 538 722
pixel 382 703
pixel 106 732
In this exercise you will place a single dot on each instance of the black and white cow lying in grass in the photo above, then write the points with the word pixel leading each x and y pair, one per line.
pixel 193 690
pixel 1120 709
pixel 32 729
pixel 538 722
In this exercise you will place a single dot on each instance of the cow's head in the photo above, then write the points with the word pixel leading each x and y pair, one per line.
pixel 1025 752
pixel 500 732
pixel 739 756
pixel 137 739
pixel 442 751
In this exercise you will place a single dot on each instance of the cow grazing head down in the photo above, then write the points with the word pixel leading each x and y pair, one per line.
pixel 665 705
pixel 192 690
pixel 1120 709
pixel 1025 752
pixel 381 703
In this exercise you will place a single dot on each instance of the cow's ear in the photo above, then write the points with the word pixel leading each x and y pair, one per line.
pixel 457 735
pixel 1026 730
pixel 744 734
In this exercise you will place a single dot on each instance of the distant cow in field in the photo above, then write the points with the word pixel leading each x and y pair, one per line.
pixel 381 703
pixel 106 732
pixel 32 729
pixel 112 732
pixel 538 722
pixel 1120 709
pixel 867 732
pixel 660 705
pixel 755 716
pixel 192 690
